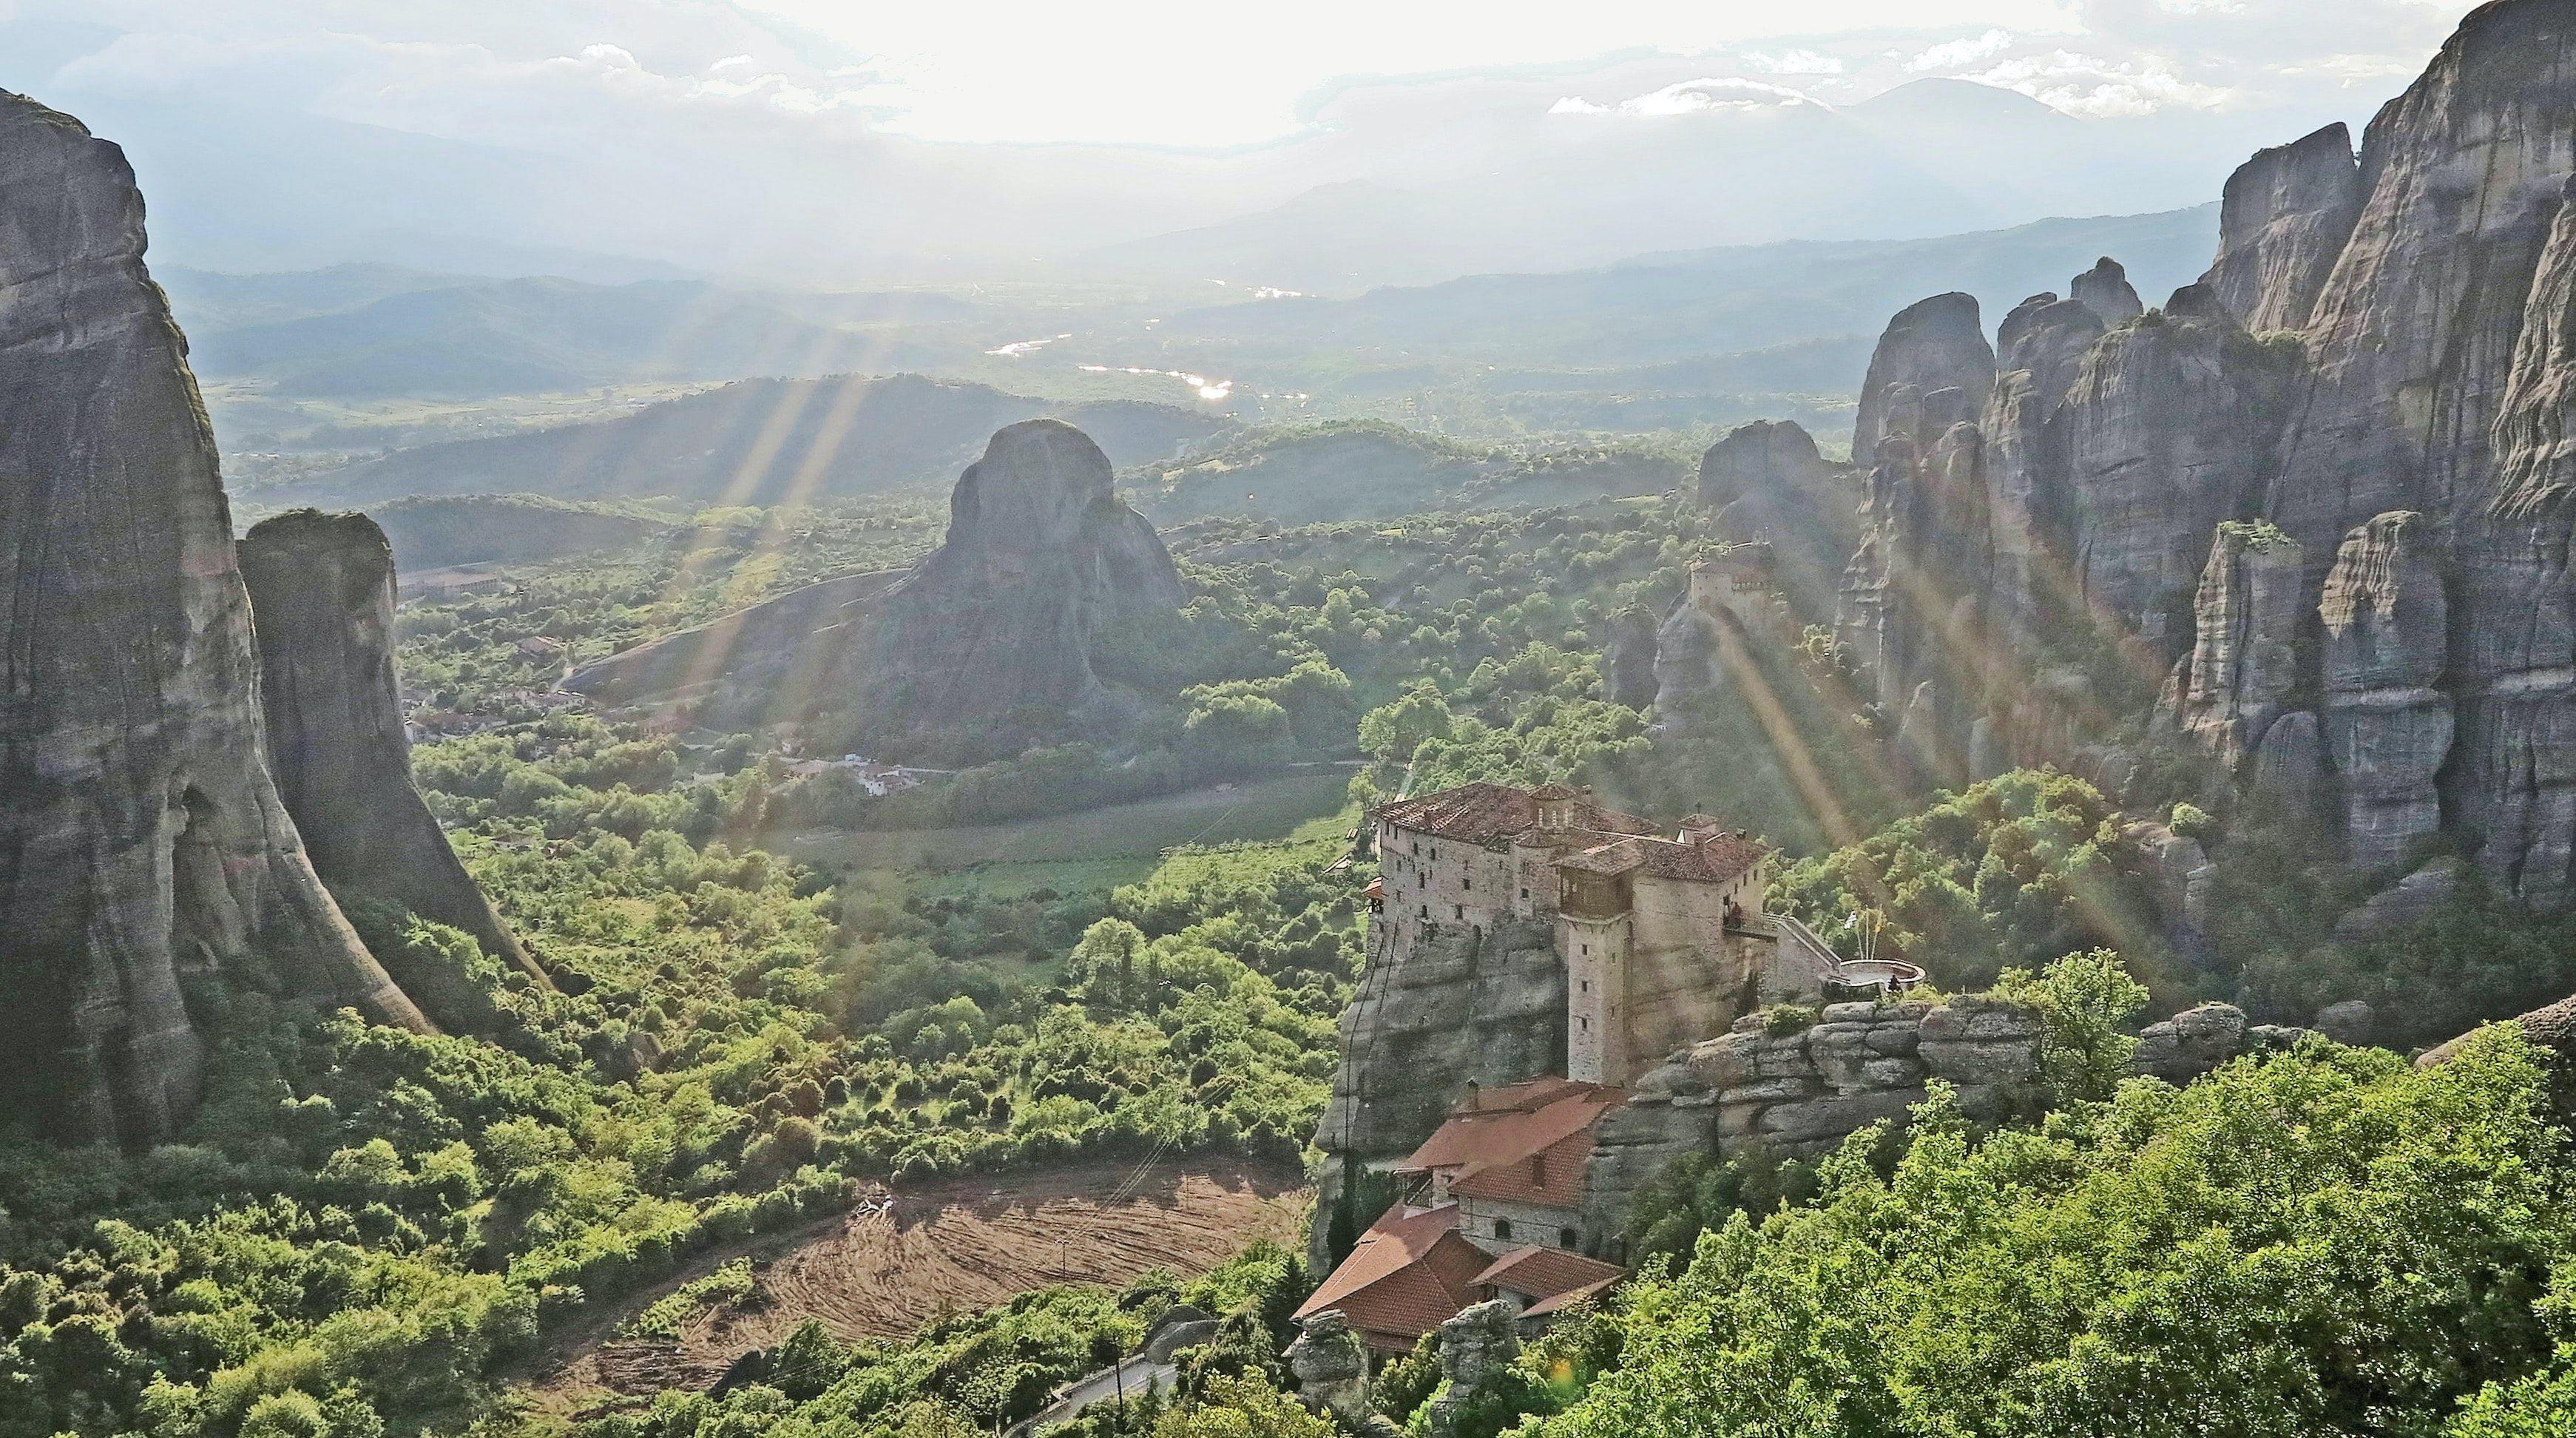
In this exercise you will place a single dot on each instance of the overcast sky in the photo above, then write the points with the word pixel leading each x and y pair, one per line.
pixel 1205 109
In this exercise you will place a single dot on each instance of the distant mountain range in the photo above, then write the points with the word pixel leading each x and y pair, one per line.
pixel 370 331
pixel 756 442
pixel 1928 158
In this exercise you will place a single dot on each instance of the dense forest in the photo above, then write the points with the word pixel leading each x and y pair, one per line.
pixel 369 1231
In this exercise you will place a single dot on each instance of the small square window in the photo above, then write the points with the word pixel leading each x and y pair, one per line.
pixel 1525 891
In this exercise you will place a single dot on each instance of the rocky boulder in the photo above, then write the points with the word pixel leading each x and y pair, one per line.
pixel 1331 1369
pixel 1475 1348
pixel 144 849
pixel 322 603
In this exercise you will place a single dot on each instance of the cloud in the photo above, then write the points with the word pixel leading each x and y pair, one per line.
pixel 2102 89
pixel 1691 97
pixel 1795 62
pixel 1954 53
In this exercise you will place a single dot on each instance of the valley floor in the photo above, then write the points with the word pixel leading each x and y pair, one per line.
pixel 1091 848
pixel 884 1270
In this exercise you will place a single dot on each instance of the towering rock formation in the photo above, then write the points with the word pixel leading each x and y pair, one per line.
pixel 2042 340
pixel 2387 728
pixel 2354 544
pixel 2244 667
pixel 2169 427
pixel 143 850
pixel 322 601
pixel 2106 291
pixel 2281 225
pixel 1765 481
pixel 1016 628
pixel 1041 558
pixel 1930 346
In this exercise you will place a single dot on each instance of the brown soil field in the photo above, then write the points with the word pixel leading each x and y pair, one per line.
pixel 960 1245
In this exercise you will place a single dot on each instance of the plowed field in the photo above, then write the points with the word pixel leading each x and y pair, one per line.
pixel 936 1248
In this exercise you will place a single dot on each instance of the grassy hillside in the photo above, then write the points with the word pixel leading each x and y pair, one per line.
pixel 760 442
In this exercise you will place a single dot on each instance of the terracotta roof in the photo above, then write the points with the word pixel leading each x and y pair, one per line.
pixel 1720 859
pixel 1493 813
pixel 1409 1273
pixel 1551 1177
pixel 1616 858
pixel 1376 888
pixel 1554 790
pixel 1557 1302
pixel 1546 1273
pixel 1527 1142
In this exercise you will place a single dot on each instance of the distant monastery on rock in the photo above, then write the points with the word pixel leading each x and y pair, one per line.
pixel 1662 940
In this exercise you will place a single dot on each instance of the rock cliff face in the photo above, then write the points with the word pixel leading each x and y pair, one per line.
pixel 322 602
pixel 1930 346
pixel 2282 223
pixel 143 849
pixel 2387 728
pixel 2210 493
pixel 1000 631
pixel 1802 1092
pixel 1460 1008
pixel 1765 481
pixel 2169 423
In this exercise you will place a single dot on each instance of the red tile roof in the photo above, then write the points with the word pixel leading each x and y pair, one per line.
pixel 1547 1274
pixel 1549 1178
pixel 1719 859
pixel 1406 1276
pixel 1526 1142
pixel 1616 858
pixel 1558 1302
pixel 1496 813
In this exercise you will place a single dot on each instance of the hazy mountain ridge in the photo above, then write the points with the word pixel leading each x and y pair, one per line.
pixel 759 441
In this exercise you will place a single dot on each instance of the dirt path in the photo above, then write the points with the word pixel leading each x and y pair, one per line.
pixel 947 1247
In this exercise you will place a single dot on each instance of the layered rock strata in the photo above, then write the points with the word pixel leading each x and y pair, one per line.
pixel 143 849
pixel 322 602
pixel 1803 1091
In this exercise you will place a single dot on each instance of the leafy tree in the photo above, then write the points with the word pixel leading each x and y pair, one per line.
pixel 2083 1000
pixel 2325 1241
